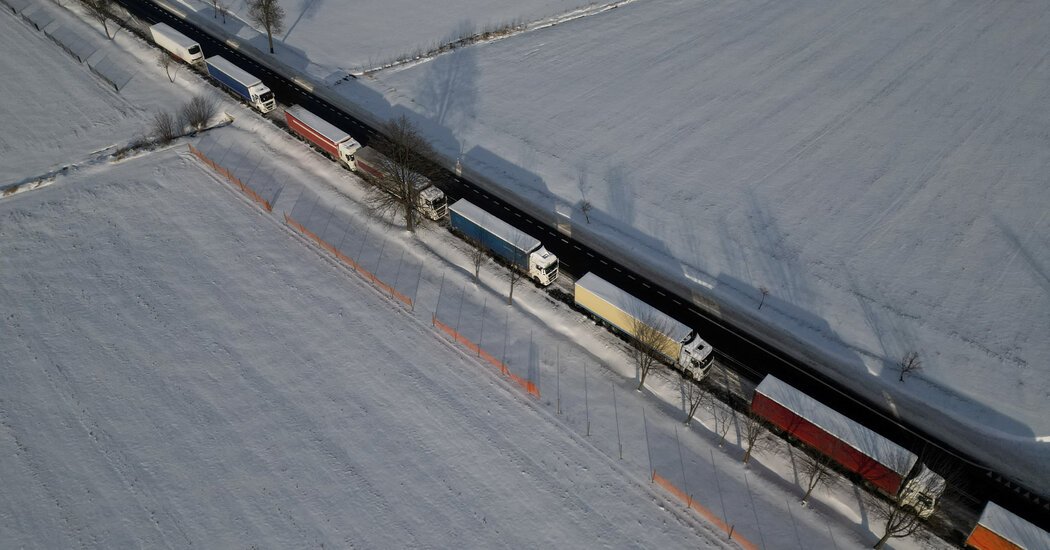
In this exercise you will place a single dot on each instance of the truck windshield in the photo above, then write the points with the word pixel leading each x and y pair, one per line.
pixel 268 96
pixel 195 49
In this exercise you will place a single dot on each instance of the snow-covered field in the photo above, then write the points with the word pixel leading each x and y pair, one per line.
pixel 58 114
pixel 879 168
pixel 182 370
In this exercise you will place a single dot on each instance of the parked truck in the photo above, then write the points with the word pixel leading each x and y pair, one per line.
pixel 430 201
pixel 176 43
pixel 886 465
pixel 679 344
pixel 242 83
pixel 504 240
pixel 999 529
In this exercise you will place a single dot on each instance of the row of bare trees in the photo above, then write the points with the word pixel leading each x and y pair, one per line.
pixel 195 114
pixel 898 513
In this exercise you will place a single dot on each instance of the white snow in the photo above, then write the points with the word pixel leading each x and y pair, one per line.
pixel 369 32
pixel 184 369
pixel 879 168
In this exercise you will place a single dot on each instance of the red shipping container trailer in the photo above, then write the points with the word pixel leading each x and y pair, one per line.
pixel 321 133
pixel 875 458
pixel 998 529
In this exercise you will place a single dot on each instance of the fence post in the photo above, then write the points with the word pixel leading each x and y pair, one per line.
pixel 798 538
pixel 361 249
pixel 415 293
pixel 397 274
pixel 379 262
pixel 616 413
pixel 557 370
pixel 718 486
pixel 754 509
pixel 681 461
pixel 648 449
pixel 586 400
pixel 459 315
pixel 339 247
pixel 481 339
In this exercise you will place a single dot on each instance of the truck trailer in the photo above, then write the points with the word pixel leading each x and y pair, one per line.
pixel 339 145
pixel 504 240
pixel 430 200
pixel 680 345
pixel 176 43
pixel 242 83
pixel 886 465
pixel 999 529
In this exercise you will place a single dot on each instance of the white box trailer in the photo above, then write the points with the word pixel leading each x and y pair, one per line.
pixel 178 44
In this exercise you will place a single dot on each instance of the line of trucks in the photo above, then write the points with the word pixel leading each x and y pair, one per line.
pixel 618 309
pixel 887 466
pixel 231 77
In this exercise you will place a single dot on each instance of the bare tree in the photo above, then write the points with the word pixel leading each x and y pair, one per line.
pixel 403 172
pixel 223 10
pixel 214 9
pixel 514 277
pixel 477 255
pixel 171 68
pixel 899 521
pixel 99 11
pixel 198 111
pixel 909 364
pixel 723 415
pixel 650 342
pixel 693 393
pixel 586 207
pixel 166 126
pixel 765 292
pixel 815 470
pixel 752 430
pixel 269 15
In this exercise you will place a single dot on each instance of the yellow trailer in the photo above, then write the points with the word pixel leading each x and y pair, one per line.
pixel 678 343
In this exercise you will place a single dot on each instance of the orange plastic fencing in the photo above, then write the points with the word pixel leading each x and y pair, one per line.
pixel 232 179
pixel 346 259
pixel 702 510
pixel 529 386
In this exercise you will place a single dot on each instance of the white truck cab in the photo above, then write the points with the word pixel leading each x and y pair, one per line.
pixel 696 356
pixel 921 491
pixel 543 266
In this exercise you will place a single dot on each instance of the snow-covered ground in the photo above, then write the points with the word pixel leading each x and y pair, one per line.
pixel 358 35
pixel 878 168
pixel 70 118
pixel 183 369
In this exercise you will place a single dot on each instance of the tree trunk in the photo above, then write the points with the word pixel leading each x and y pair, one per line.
pixel 809 490
pixel 882 541
pixel 747 454
pixel 269 36
pixel 692 411
pixel 642 381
